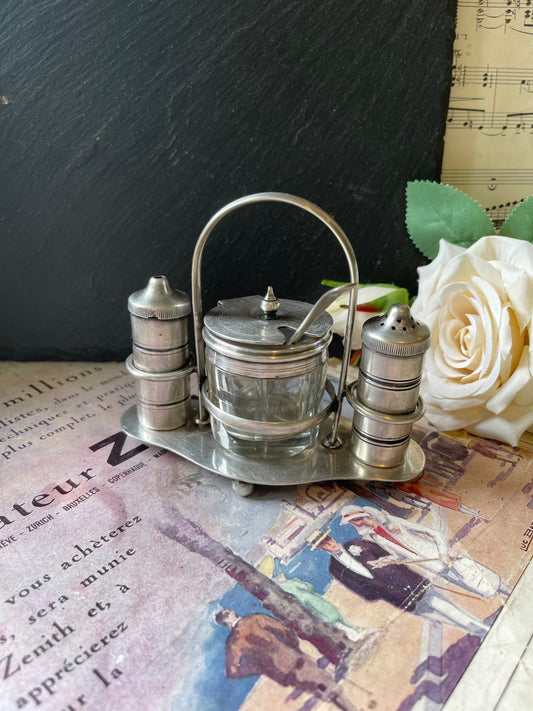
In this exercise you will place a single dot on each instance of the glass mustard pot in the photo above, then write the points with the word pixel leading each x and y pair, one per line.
pixel 262 361
pixel 256 376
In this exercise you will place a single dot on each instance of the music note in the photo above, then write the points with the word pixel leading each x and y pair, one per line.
pixel 499 213
pixel 491 77
pixel 522 121
pixel 488 149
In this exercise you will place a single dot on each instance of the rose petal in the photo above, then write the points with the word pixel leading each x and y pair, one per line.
pixel 509 428
pixel 514 252
pixel 456 419
pixel 511 343
pixel 429 273
pixel 519 289
pixel 524 398
pixel 508 391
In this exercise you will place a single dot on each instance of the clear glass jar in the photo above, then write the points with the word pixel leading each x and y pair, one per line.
pixel 265 399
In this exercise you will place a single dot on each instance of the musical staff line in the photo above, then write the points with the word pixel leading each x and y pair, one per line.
pixel 496 4
pixel 490 77
pixel 483 120
pixel 489 177
pixel 499 213
pixel 501 15
pixel 488 149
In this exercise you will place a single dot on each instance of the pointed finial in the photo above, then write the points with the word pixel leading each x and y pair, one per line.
pixel 269 303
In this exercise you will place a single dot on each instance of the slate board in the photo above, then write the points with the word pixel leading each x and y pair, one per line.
pixel 125 126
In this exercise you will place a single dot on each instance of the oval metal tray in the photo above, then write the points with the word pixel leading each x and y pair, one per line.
pixel 315 464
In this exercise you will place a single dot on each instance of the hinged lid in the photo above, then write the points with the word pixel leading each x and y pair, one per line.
pixel 396 333
pixel 159 300
pixel 255 320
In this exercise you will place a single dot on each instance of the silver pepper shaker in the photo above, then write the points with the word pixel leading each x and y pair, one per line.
pixel 160 360
pixel 386 399
pixel 390 367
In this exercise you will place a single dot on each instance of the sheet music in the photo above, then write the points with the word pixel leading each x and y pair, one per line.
pixel 488 146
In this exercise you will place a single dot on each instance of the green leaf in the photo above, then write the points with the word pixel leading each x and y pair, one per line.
pixel 519 224
pixel 398 296
pixel 330 282
pixel 333 284
pixel 436 211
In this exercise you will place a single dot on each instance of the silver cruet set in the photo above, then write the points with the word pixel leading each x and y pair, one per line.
pixel 266 412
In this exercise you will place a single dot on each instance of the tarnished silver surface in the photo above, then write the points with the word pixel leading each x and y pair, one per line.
pixel 279 353
pixel 159 326
pixel 396 333
pixel 378 438
pixel 163 399
pixel 159 300
pixel 162 359
pixel 315 464
pixel 268 431
pixel 265 367
pixel 270 303
pixel 392 353
pixel 243 321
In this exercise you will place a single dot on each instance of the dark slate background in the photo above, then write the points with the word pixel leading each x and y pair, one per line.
pixel 126 125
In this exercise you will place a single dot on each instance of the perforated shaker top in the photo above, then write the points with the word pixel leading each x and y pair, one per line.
pixel 396 333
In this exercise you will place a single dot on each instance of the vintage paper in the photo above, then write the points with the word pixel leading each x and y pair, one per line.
pixel 117 559
pixel 488 151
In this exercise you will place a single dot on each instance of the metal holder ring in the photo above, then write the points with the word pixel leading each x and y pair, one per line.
pixel 384 417
pixel 268 431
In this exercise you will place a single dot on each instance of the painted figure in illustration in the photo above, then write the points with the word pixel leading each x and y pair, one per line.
pixel 415 543
pixel 356 564
pixel 446 458
pixel 414 490
pixel 383 496
pixel 305 592
pixel 259 644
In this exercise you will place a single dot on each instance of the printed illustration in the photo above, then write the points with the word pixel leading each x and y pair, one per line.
pixel 339 549
pixel 133 579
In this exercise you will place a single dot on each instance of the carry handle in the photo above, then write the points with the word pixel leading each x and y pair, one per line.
pixel 332 440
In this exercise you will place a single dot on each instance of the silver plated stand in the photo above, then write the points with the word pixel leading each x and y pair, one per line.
pixel 317 463
pixel 331 456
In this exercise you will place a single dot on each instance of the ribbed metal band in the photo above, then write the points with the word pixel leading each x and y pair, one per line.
pixel 396 349
pixel 162 405
pixel 161 351
pixel 263 367
pixel 161 314
pixel 378 441
pixel 159 300
pixel 172 375
pixel 268 431
pixel 385 418
pixel 386 384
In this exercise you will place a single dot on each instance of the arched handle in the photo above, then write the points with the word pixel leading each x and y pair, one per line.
pixel 332 440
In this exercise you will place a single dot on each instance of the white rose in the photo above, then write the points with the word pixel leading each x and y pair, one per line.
pixel 478 371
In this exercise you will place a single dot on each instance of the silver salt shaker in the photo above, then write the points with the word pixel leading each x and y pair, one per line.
pixel 160 360
pixel 386 400
pixel 159 326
